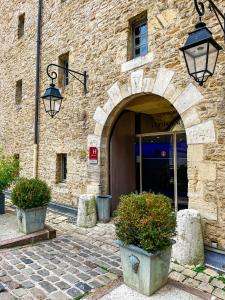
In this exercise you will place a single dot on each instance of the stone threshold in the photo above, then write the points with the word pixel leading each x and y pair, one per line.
pixel 192 290
pixel 47 233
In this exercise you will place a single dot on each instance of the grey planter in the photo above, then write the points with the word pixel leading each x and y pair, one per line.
pixel 143 271
pixel 2 203
pixel 32 219
pixel 104 204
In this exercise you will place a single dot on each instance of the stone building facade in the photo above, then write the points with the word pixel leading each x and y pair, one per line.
pixel 97 36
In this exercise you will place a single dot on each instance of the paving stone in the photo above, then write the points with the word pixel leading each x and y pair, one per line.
pixel 202 277
pixel 2 287
pixel 7 296
pixel 26 261
pixel 27 271
pixel 116 271
pixel 5 279
pixel 111 276
pixel 211 272
pixel 177 276
pixel 90 264
pixel 2 273
pixel 100 270
pixel 20 277
pixel 35 266
pixel 62 265
pixel 13 272
pixel 27 284
pixel 70 278
pixel 83 286
pixel 103 279
pixel 74 292
pixel 19 292
pixel 58 296
pixel 20 266
pixel 73 270
pixel 192 282
pixel 219 293
pixel 206 287
pixel 176 267
pixel 38 293
pixel 95 284
pixel 62 285
pixel 93 273
pixel 47 286
pixel 58 272
pixel 50 267
pixel 52 278
pixel 83 276
pixel 13 285
pixel 189 273
pixel 43 272
pixel 217 283
pixel 36 278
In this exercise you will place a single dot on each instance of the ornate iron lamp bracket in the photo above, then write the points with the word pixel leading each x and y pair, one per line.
pixel 53 75
pixel 199 5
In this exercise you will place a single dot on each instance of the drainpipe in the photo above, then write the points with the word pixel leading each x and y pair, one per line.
pixel 37 90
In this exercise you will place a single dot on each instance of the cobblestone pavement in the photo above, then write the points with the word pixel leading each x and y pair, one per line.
pixel 64 268
pixel 202 278
pixel 78 261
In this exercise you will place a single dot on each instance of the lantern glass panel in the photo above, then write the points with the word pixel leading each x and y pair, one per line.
pixel 47 104
pixel 213 54
pixel 57 105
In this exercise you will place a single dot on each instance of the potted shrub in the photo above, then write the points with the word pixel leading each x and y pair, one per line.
pixel 9 169
pixel 31 197
pixel 145 224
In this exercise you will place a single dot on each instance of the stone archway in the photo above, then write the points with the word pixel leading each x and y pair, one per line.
pixel 199 132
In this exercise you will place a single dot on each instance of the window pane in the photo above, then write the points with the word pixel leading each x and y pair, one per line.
pixel 137 51
pixel 143 28
pixel 144 50
pixel 144 39
pixel 137 30
pixel 137 41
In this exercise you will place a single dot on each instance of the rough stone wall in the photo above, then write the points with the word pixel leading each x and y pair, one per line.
pixel 96 35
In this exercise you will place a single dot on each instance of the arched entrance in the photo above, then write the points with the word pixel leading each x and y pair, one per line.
pixel 148 151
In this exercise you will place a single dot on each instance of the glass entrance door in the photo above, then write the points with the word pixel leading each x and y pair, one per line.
pixel 161 166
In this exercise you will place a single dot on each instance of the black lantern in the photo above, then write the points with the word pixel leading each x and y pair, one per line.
pixel 52 100
pixel 201 53
pixel 52 97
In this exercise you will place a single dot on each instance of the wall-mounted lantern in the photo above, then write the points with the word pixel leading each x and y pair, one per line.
pixel 52 97
pixel 201 50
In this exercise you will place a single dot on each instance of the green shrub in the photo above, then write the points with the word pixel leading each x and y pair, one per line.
pixel 145 220
pixel 29 193
pixel 9 169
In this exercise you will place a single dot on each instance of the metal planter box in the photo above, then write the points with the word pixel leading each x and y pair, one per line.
pixel 104 204
pixel 143 271
pixel 32 219
pixel 2 203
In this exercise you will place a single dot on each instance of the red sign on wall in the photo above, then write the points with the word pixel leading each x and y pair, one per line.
pixel 93 155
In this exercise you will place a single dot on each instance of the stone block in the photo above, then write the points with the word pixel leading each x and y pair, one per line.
pixel 202 133
pixel 206 287
pixel 137 81
pixel 108 107
pixel 137 62
pixel 162 81
pixel 188 248
pixel 100 116
pixel 148 84
pixel 207 171
pixel 219 293
pixel 177 276
pixel 125 90
pixel 190 117
pixel 87 216
pixel 202 277
pixel 115 93
pixel 188 98
pixel 192 282
pixel 217 283
pixel 171 93
pixel 189 273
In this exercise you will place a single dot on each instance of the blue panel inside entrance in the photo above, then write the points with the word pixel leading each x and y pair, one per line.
pixel 215 260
